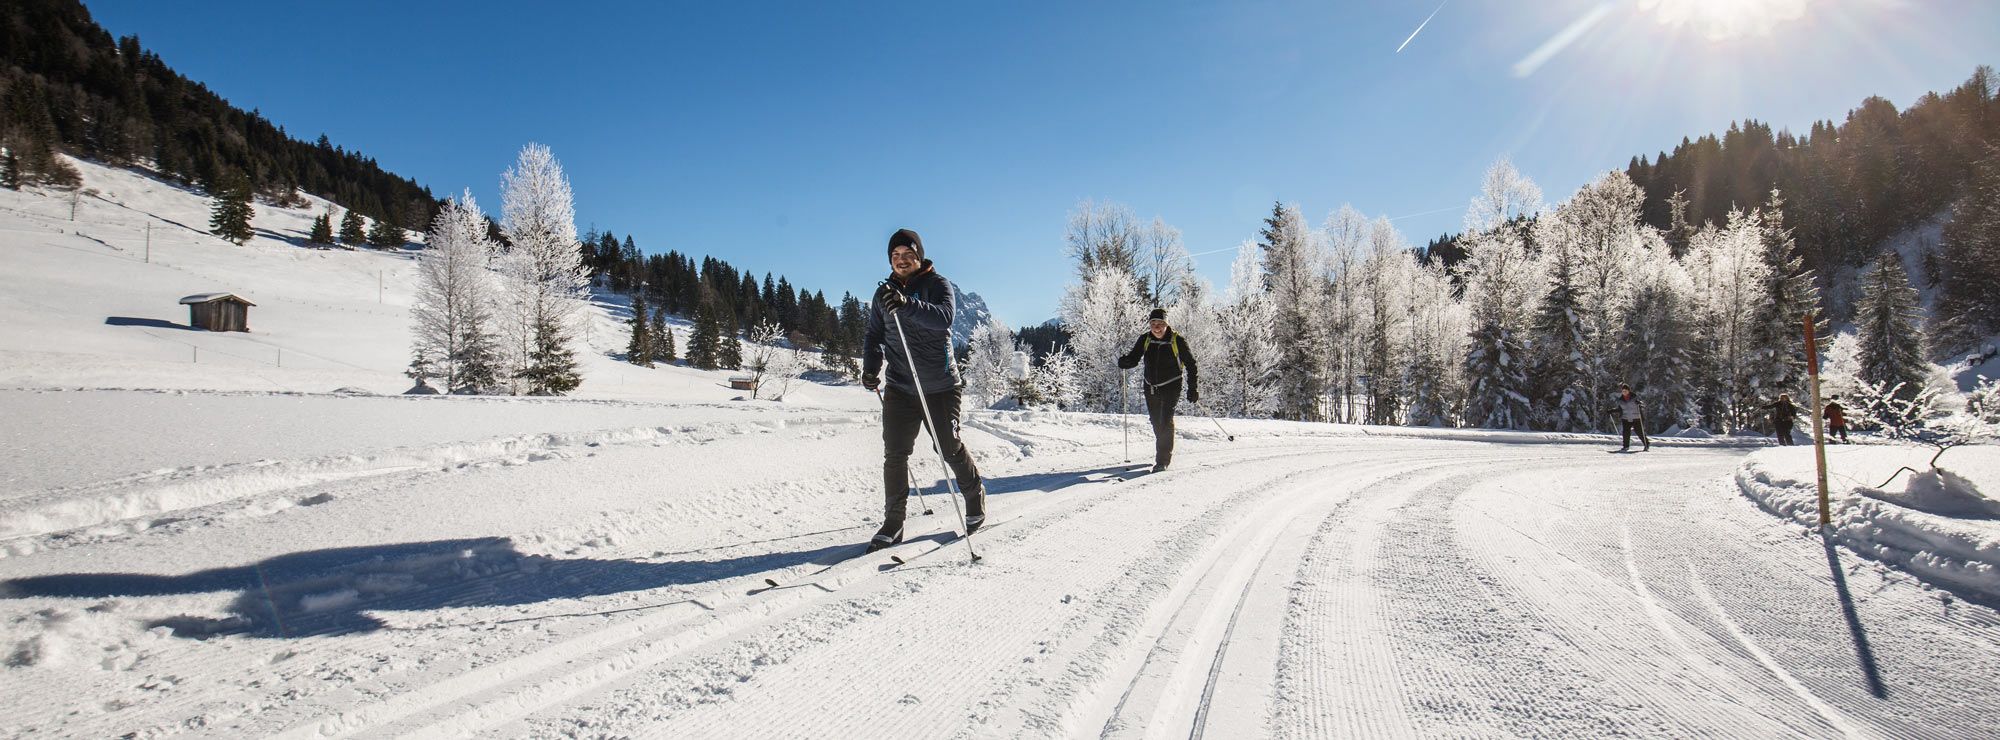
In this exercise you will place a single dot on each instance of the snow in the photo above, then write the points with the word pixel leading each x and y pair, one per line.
pixel 1941 525
pixel 245 548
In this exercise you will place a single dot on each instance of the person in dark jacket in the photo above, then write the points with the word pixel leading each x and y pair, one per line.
pixel 1783 414
pixel 912 310
pixel 1169 363
pixel 1836 419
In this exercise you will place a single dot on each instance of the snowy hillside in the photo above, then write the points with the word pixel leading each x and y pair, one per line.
pixel 969 311
pixel 254 535
pixel 94 303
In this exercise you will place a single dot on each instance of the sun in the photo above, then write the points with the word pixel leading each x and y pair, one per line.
pixel 1725 19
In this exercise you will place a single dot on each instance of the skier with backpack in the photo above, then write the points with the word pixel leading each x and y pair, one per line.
pixel 1168 363
pixel 909 329
pixel 1783 415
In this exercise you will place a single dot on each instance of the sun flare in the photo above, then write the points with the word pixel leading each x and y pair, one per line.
pixel 1725 19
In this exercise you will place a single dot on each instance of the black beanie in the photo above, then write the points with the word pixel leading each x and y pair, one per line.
pixel 1158 314
pixel 907 238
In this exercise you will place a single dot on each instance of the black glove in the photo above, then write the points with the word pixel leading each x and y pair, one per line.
pixel 871 381
pixel 1194 396
pixel 1128 363
pixel 889 298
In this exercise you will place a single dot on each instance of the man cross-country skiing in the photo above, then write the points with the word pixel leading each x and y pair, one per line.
pixel 1168 362
pixel 921 300
pixel 1630 417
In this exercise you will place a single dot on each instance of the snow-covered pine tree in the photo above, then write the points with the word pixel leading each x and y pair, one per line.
pixel 1656 347
pixel 1057 380
pixel 1104 317
pixel 660 338
pixel 1500 284
pixel 1293 270
pixel 1239 382
pixel 989 359
pixel 1789 294
pixel 1889 327
pixel 544 270
pixel 639 348
pixel 453 305
pixel 353 232
pixel 1560 369
pixel 229 217
pixel 10 169
pixel 322 230
pixel 1969 258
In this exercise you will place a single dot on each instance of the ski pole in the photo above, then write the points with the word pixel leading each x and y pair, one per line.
pixel 911 471
pixel 1218 427
pixel 924 403
pixel 1125 417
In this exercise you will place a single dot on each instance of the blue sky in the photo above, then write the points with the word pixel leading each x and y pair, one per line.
pixel 795 137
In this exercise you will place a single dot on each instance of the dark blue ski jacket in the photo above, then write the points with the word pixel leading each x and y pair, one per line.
pixel 926 320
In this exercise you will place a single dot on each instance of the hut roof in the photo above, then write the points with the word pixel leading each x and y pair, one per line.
pixel 210 297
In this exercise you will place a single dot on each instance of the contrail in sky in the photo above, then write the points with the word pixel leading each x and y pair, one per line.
pixel 1420 26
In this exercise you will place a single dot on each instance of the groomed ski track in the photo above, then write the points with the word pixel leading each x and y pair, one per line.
pixel 1277 586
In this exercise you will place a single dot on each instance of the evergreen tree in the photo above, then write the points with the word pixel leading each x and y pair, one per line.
pixel 229 217
pixel 385 234
pixel 1969 256
pixel 1293 271
pixel 639 349
pixel 1561 374
pixel 1890 337
pixel 551 369
pixel 705 344
pixel 352 231
pixel 1777 336
pixel 453 308
pixel 662 338
pixel 1657 343
pixel 322 230
pixel 731 356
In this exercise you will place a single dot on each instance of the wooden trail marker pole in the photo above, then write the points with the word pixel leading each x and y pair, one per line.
pixel 1819 425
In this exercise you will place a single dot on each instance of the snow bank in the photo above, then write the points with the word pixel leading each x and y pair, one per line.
pixel 1941 526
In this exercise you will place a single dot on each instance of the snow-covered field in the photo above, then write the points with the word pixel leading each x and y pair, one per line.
pixel 229 548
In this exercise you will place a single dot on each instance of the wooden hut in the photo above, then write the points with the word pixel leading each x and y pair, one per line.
pixel 218 311
pixel 743 382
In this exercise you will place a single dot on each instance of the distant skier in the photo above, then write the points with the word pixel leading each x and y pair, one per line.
pixel 1168 362
pixel 1783 414
pixel 1630 417
pixel 922 300
pixel 1836 419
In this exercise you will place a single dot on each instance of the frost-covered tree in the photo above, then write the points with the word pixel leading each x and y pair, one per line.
pixel 1193 315
pixel 229 216
pixel 1240 381
pixel 1504 196
pixel 453 304
pixel 1435 380
pixel 1102 235
pixel 1729 273
pixel 1501 282
pixel 989 365
pixel 1656 347
pixel 773 367
pixel 1559 366
pixel 1346 234
pixel 1293 270
pixel 1889 328
pixel 1167 264
pixel 1384 323
pixel 1057 380
pixel 1789 295
pixel 543 268
pixel 1592 240
pixel 1103 315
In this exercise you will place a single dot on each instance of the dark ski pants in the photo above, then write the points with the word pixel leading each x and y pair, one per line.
pixel 1785 434
pixel 1837 429
pixel 902 422
pixel 1631 425
pixel 1160 403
